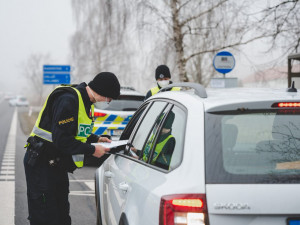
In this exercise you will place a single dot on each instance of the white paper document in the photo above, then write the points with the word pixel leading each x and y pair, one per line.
pixel 112 144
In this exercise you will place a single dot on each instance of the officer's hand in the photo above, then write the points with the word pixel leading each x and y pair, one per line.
pixel 133 149
pixel 100 151
pixel 104 139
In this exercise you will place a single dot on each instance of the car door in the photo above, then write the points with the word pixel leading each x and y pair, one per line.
pixel 118 166
pixel 108 191
pixel 136 175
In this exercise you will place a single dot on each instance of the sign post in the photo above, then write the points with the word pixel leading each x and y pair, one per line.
pixel 223 62
pixel 56 74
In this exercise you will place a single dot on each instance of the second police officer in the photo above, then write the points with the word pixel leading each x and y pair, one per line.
pixel 163 79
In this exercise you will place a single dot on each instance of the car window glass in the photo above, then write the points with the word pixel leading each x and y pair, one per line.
pixel 260 146
pixel 123 103
pixel 167 153
pixel 152 137
pixel 145 128
pixel 131 124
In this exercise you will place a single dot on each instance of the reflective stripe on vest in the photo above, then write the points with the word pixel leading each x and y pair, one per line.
pixel 154 90
pixel 159 148
pixel 148 147
pixel 85 126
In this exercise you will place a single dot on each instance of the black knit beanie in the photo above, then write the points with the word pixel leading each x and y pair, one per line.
pixel 162 71
pixel 106 84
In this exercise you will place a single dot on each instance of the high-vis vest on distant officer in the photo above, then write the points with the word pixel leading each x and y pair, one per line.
pixel 156 89
pixel 158 149
pixel 85 124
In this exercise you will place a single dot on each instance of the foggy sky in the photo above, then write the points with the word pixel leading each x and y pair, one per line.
pixel 32 27
pixel 45 27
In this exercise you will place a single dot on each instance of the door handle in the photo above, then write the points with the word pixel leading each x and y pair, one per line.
pixel 108 174
pixel 123 186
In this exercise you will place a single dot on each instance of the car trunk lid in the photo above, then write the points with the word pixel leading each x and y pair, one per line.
pixel 257 204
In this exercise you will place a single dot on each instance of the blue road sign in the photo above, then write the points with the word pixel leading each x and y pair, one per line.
pixel 56 74
pixel 52 78
pixel 224 62
pixel 57 68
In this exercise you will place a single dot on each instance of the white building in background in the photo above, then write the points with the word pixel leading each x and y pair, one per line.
pixel 270 78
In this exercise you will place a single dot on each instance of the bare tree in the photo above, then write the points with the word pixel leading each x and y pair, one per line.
pixel 282 20
pixel 100 40
pixel 131 37
pixel 197 30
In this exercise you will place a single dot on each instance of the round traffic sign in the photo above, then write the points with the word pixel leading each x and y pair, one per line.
pixel 224 62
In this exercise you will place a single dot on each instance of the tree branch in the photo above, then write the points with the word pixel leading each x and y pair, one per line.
pixel 224 47
pixel 202 13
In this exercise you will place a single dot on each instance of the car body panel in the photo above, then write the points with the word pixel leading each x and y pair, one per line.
pixel 227 203
pixel 252 204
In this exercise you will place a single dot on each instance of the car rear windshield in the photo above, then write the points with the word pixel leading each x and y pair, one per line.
pixel 123 103
pixel 260 146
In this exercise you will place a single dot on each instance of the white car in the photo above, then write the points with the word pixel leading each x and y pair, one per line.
pixel 19 101
pixel 235 160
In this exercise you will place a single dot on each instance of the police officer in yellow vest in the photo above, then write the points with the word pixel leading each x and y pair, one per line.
pixel 163 78
pixel 58 142
pixel 165 145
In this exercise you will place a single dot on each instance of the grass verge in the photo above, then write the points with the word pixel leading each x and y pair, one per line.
pixel 27 121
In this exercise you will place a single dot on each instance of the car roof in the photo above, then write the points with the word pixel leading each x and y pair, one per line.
pixel 231 97
pixel 129 91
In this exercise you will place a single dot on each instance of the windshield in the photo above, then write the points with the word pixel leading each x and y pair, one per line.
pixel 253 147
pixel 123 103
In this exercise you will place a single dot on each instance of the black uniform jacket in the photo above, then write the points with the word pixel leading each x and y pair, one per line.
pixel 62 120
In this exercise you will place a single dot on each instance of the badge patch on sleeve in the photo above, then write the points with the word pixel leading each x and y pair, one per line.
pixel 84 130
pixel 66 121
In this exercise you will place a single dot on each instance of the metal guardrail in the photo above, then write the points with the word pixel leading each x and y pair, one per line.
pixel 199 89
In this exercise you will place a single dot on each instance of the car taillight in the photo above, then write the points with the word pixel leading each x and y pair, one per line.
pixel 286 104
pixel 98 114
pixel 183 209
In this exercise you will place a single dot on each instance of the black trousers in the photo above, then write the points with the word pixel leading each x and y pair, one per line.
pixel 47 194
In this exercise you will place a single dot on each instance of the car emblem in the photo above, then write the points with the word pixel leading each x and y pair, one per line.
pixel 231 206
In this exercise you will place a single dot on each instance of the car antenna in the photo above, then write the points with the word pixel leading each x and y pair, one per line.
pixel 292 88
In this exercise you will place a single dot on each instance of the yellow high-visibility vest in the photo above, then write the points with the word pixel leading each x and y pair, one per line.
pixel 154 90
pixel 84 130
pixel 159 148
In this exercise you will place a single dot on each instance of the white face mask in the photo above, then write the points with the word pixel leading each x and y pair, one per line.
pixel 106 101
pixel 163 83
pixel 104 104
